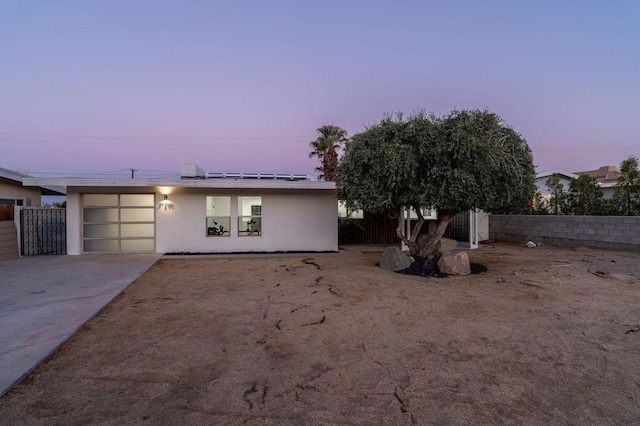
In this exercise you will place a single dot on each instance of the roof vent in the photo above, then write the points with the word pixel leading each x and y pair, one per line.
pixel 191 171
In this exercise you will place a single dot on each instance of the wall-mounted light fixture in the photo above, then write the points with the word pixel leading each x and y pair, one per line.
pixel 165 204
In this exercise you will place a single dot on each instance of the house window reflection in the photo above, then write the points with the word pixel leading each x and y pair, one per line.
pixel 249 216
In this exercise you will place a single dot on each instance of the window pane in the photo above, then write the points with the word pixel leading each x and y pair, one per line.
pixel 100 230
pixel 100 200
pixel 218 206
pixel 249 206
pixel 352 214
pixel 431 214
pixel 100 215
pixel 218 226
pixel 100 245
pixel 249 226
pixel 131 230
pixel 10 201
pixel 137 215
pixel 137 200
pixel 137 245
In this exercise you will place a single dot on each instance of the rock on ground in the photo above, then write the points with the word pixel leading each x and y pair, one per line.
pixel 454 263
pixel 394 259
pixel 445 245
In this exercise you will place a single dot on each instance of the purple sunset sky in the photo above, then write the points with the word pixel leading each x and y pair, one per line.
pixel 91 87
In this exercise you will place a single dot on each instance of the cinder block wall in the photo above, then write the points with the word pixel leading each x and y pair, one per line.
pixel 608 232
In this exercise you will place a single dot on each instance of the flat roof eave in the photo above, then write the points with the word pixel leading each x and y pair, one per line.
pixel 179 183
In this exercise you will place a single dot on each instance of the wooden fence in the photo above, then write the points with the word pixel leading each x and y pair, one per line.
pixel 8 240
pixel 6 212
pixel 373 228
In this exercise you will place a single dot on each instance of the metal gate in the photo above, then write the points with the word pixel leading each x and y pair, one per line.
pixel 459 227
pixel 43 231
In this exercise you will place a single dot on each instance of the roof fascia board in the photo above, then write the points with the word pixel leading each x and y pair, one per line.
pixel 179 183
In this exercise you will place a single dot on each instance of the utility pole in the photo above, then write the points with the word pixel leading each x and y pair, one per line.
pixel 133 173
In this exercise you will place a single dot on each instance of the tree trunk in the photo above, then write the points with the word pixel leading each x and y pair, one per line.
pixel 628 199
pixel 415 231
pixel 330 164
pixel 444 217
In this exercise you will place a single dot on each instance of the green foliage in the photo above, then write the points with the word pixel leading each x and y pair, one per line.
pixel 330 138
pixel 558 199
pixel 538 206
pixel 610 208
pixel 585 196
pixel 626 196
pixel 460 161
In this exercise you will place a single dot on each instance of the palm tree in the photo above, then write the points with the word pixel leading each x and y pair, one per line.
pixel 324 147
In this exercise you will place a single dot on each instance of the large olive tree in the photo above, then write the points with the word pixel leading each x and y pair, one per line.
pixel 456 162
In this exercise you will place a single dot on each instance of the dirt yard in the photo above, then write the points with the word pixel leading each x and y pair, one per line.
pixel 545 336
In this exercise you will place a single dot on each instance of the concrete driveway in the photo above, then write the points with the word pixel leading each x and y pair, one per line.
pixel 44 300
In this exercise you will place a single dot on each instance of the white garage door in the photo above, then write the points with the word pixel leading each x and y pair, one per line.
pixel 118 223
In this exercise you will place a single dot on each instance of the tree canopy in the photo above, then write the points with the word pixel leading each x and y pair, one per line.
pixel 456 162
pixel 557 199
pixel 627 192
pixel 330 138
pixel 585 196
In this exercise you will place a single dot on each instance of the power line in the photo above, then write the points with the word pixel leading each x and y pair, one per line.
pixel 211 143
pixel 578 151
pixel 154 138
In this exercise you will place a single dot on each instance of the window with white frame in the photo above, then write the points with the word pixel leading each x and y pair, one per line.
pixel 218 216
pixel 249 216
pixel 14 201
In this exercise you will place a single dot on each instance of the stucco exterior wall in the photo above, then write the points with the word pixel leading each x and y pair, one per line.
pixel 483 225
pixel 74 223
pixel 13 189
pixel 291 221
pixel 544 189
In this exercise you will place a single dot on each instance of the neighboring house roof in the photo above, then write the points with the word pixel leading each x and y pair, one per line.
pixel 605 174
pixel 560 172
pixel 18 177
pixel 570 175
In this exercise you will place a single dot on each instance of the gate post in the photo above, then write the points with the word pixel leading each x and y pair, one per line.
pixel 17 212
pixel 473 229
pixel 406 213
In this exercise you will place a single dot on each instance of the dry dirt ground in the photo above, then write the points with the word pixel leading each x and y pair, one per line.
pixel 545 336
